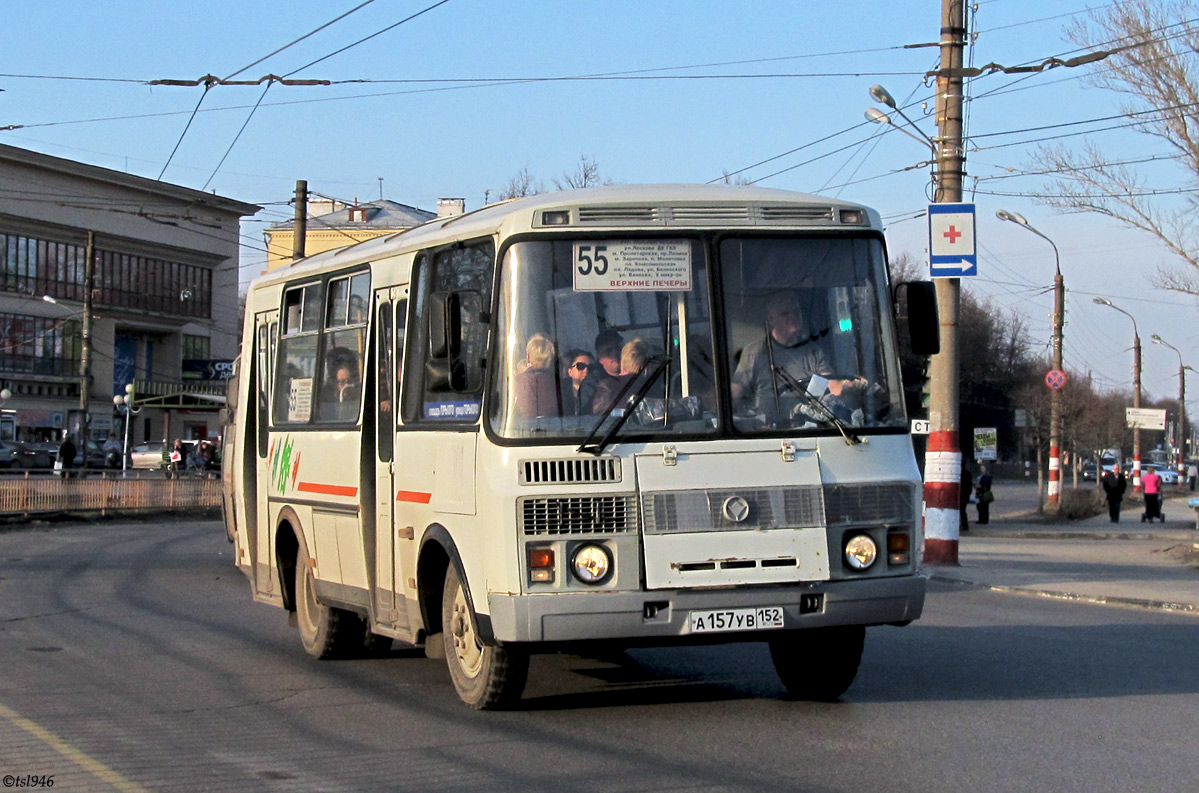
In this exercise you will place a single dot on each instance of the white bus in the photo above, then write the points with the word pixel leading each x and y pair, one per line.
pixel 584 417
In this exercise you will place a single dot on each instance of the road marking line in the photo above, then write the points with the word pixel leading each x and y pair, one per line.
pixel 65 749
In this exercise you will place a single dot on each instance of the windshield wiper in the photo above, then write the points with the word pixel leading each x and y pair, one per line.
pixel 659 364
pixel 851 437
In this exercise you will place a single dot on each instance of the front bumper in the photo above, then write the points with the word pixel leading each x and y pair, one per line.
pixel 663 616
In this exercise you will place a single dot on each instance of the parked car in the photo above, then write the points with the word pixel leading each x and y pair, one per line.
pixel 10 455
pixel 147 455
pixel 1169 475
pixel 33 455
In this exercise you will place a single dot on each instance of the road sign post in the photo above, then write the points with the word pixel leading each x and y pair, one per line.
pixel 952 248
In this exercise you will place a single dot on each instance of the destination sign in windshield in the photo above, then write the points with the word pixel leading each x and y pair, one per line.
pixel 632 266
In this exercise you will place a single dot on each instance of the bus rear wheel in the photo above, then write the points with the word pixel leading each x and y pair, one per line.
pixel 818 664
pixel 485 676
pixel 325 631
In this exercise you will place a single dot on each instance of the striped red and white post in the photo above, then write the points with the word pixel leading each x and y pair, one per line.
pixel 1055 474
pixel 942 494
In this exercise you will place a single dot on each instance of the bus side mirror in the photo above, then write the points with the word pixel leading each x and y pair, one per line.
pixel 916 310
pixel 445 325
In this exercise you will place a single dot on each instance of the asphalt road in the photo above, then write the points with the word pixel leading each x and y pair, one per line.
pixel 132 658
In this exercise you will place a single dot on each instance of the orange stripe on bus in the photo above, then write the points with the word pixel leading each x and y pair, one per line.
pixel 414 497
pixel 327 490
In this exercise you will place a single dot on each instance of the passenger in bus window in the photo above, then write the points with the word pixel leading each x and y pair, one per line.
pixel 793 348
pixel 632 360
pixel 535 387
pixel 578 383
pixel 608 346
pixel 342 391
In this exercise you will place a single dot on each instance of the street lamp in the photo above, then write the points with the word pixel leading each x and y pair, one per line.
pixel 1136 391
pixel 876 116
pixel 1182 406
pixel 1055 405
pixel 125 406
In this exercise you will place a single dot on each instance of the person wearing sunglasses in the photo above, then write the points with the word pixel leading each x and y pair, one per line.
pixel 579 383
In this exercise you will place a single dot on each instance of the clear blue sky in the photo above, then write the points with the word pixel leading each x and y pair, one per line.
pixel 462 139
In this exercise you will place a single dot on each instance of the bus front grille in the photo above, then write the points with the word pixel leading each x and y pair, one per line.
pixel 869 503
pixel 570 471
pixel 613 514
pixel 709 510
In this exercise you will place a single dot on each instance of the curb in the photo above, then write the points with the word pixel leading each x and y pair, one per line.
pixel 1102 600
pixel 1050 534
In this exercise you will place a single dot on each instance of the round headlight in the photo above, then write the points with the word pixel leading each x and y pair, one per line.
pixel 592 564
pixel 860 552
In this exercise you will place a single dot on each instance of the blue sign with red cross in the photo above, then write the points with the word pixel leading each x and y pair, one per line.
pixel 952 251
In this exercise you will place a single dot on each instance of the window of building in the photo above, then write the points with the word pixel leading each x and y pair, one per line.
pixel 196 347
pixel 40 345
pixel 45 267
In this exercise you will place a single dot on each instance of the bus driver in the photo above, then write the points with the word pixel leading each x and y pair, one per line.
pixel 794 350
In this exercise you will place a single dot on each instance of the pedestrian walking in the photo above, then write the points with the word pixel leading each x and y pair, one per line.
pixel 178 458
pixel 1151 484
pixel 66 455
pixel 1114 485
pixel 1192 475
pixel 985 496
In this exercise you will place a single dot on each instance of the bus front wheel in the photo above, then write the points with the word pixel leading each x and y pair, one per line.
pixel 818 664
pixel 485 676
pixel 325 631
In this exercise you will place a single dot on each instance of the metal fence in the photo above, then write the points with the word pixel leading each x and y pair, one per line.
pixel 105 494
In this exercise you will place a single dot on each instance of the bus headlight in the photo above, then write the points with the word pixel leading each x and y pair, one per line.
pixel 592 564
pixel 860 552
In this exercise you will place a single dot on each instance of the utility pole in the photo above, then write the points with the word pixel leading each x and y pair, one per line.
pixel 301 224
pixel 1136 403
pixel 943 459
pixel 1055 404
pixel 85 353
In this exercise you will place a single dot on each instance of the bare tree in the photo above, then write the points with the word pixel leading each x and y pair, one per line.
pixel 520 185
pixel 1155 65
pixel 586 174
pixel 740 178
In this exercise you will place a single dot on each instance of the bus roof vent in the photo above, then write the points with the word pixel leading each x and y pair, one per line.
pixel 616 215
pixel 570 471
pixel 711 214
pixel 782 214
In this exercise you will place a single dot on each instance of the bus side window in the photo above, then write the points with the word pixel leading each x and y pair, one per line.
pixel 295 382
pixel 344 342
pixel 385 382
pixel 447 387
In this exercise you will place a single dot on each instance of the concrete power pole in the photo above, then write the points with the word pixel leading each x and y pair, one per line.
pixel 943 459
pixel 1055 406
pixel 85 352
pixel 300 230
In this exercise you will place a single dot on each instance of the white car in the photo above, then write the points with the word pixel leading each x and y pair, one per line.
pixel 1169 475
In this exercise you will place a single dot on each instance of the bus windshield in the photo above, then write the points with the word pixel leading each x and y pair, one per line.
pixel 592 329
pixel 807 337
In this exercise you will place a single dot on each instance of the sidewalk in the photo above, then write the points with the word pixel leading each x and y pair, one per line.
pixel 1145 565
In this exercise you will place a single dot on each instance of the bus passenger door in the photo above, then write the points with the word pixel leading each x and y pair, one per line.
pixel 262 545
pixel 389 345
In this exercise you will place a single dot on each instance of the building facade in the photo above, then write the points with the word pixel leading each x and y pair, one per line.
pixel 164 313
pixel 334 224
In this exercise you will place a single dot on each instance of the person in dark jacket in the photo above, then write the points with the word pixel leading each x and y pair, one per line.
pixel 982 492
pixel 1114 485
pixel 66 455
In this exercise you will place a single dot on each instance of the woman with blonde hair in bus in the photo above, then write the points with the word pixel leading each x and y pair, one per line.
pixel 633 357
pixel 535 388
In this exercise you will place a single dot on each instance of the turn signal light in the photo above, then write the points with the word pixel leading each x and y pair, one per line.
pixel 899 545
pixel 541 565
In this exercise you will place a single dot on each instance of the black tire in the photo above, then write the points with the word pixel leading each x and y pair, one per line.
pixel 325 631
pixel 486 677
pixel 818 664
